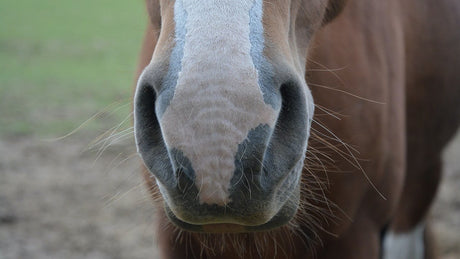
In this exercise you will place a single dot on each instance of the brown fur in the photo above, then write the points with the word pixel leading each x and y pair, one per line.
pixel 388 70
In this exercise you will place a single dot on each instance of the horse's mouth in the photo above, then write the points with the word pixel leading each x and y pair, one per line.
pixel 283 217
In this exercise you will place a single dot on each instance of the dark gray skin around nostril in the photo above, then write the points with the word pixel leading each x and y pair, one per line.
pixel 184 183
pixel 184 174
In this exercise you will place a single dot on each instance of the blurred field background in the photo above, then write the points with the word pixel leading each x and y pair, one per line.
pixel 61 62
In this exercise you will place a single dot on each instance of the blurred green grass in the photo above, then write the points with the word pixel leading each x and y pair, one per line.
pixel 62 61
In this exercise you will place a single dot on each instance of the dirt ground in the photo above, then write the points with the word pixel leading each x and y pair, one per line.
pixel 59 201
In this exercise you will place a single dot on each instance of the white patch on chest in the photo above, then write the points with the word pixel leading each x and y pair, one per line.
pixel 408 245
pixel 217 99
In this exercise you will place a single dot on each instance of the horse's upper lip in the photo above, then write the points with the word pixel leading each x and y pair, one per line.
pixel 235 225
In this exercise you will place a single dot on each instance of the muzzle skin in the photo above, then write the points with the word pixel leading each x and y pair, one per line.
pixel 223 129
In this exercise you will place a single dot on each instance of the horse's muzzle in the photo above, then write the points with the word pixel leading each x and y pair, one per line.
pixel 257 190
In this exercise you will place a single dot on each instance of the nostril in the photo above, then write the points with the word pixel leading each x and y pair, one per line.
pixel 145 119
pixel 291 104
pixel 149 140
pixel 291 132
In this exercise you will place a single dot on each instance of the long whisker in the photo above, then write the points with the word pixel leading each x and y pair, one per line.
pixel 332 71
pixel 347 93
pixel 114 137
pixel 83 124
pixel 330 112
pixel 106 143
pixel 354 161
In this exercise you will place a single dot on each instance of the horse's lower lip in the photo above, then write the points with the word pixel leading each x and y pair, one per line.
pixel 223 228
pixel 229 227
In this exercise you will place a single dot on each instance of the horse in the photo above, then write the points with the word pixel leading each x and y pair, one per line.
pixel 296 128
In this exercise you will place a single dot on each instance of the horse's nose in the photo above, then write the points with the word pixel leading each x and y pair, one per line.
pixel 223 154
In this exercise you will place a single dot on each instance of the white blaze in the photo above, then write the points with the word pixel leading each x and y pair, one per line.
pixel 217 99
